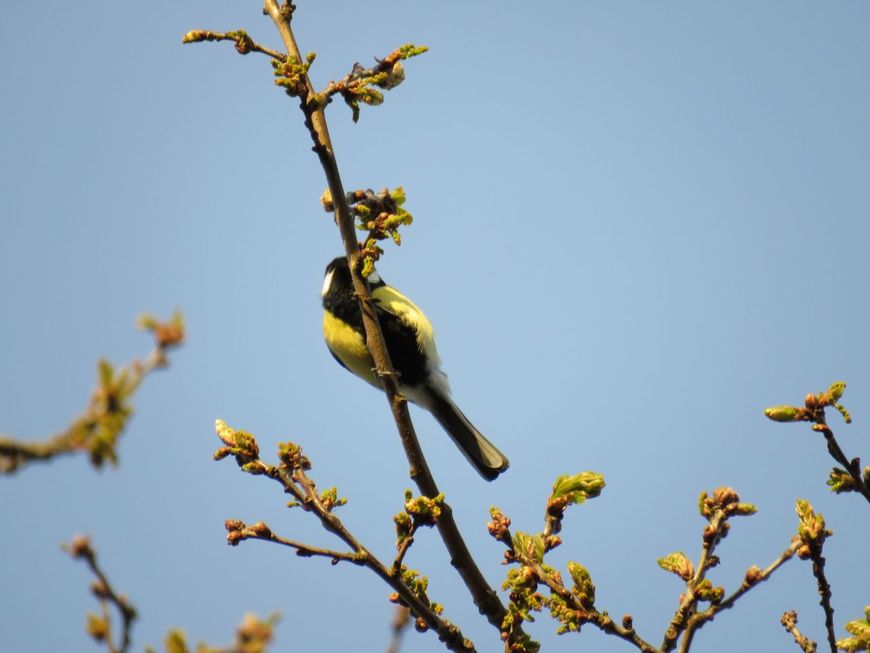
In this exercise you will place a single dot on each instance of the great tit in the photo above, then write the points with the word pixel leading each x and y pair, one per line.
pixel 410 342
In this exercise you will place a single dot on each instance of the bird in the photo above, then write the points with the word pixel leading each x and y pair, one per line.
pixel 410 341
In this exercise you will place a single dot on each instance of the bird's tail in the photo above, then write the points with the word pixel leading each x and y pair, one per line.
pixel 479 451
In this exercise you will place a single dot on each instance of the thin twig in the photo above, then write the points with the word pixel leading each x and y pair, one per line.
pixel 260 531
pixel 689 602
pixel 403 549
pixel 244 43
pixel 81 549
pixel 401 620
pixel 753 577
pixel 600 619
pixel 824 592
pixel 484 596
pixel 295 482
pixel 789 622
pixel 853 467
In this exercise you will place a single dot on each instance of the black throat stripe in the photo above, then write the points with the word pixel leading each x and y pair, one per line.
pixel 401 339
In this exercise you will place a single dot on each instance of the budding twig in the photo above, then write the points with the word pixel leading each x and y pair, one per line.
pixel 484 596
pixel 98 428
pixel 291 475
pixel 100 628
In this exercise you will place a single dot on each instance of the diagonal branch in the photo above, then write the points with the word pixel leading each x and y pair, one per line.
pixel 754 576
pixel 853 467
pixel 291 476
pixel 484 596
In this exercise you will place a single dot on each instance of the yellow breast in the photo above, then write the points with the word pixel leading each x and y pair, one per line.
pixel 349 347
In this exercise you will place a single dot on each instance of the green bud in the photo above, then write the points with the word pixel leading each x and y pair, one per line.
pixel 811 525
pixel 403 525
pixel 97 627
pixel 106 372
pixel 706 592
pixel 583 585
pixel 224 432
pixel 744 509
pixel 529 546
pixel 254 467
pixel 845 413
pixel 398 195
pixel 860 631
pixel 175 642
pixel 195 36
pixel 783 413
pixel 836 390
pixel 246 442
pixel 579 487
pixel 409 50
pixel 840 481
pixel 677 563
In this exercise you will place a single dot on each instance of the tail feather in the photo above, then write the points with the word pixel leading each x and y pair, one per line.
pixel 480 452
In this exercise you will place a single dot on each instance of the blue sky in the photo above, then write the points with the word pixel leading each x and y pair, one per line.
pixel 637 225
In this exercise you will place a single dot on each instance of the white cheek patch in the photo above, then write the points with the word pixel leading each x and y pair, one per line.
pixel 327 282
pixel 374 278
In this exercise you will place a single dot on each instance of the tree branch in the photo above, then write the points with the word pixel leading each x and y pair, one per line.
pixel 484 596
pixel 789 622
pixel 824 587
pixel 99 427
pixel 398 627
pixel 290 474
pixel 754 576
pixel 100 627
pixel 853 467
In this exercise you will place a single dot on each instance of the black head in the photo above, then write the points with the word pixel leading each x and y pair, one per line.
pixel 337 284
pixel 340 280
pixel 338 295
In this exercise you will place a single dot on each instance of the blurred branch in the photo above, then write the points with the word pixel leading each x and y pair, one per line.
pixel 100 626
pixel 291 474
pixel 253 635
pixel 851 478
pixel 401 619
pixel 97 430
